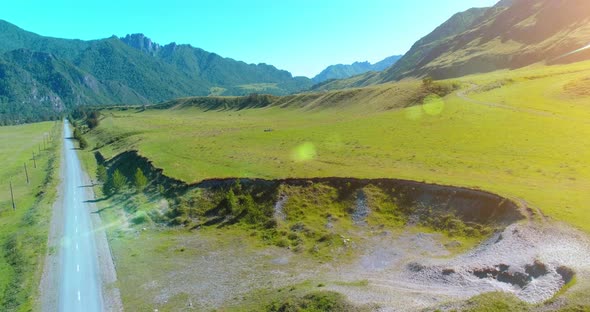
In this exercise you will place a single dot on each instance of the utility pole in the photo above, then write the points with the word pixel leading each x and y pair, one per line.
pixel 12 197
pixel 26 173
pixel 34 161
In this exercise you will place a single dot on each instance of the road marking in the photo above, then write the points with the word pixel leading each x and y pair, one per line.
pixel 76 229
pixel 78 295
pixel 76 246
pixel 77 268
pixel 76 218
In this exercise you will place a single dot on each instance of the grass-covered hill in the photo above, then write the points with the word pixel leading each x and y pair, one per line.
pixel 40 76
pixel 512 34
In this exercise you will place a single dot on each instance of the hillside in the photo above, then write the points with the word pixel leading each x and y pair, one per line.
pixel 42 76
pixel 512 34
pixel 341 71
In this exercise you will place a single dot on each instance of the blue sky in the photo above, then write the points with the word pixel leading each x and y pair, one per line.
pixel 301 36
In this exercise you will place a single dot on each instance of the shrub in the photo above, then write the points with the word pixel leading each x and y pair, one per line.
pixel 315 301
pixel 140 218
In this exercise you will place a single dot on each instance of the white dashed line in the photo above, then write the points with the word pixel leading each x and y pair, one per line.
pixel 77 268
pixel 76 229
pixel 76 218
pixel 78 295
pixel 76 246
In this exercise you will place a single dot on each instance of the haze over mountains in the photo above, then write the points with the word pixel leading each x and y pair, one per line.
pixel 511 34
pixel 40 76
pixel 341 71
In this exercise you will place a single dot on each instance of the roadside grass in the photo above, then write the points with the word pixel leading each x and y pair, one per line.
pixel 23 232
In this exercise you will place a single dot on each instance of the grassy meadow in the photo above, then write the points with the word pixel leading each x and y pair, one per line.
pixel 521 134
pixel 23 232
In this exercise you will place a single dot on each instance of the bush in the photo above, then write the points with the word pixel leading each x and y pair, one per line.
pixel 140 218
pixel 316 301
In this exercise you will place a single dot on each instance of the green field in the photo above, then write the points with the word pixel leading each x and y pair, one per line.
pixel 23 232
pixel 521 134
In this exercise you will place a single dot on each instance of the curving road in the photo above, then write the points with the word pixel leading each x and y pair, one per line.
pixel 80 285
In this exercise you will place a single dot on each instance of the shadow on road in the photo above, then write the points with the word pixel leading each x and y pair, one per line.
pixel 96 200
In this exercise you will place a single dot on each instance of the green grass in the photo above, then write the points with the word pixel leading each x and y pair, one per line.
pixel 526 137
pixel 540 157
pixel 23 232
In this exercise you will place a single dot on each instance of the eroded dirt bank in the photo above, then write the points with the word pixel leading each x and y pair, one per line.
pixel 383 265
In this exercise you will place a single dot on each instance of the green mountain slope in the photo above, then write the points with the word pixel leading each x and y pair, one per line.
pixel 457 24
pixel 41 76
pixel 510 35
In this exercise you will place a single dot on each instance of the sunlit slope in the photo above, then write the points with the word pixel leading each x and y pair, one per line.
pixel 521 134
pixel 512 34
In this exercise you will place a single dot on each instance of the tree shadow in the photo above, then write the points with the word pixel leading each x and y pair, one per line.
pixel 95 200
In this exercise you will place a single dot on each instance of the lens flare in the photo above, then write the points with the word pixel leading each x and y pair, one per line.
pixel 433 105
pixel 304 152
pixel 414 113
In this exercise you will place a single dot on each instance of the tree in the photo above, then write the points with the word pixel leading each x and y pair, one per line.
pixel 83 143
pixel 101 173
pixel 255 215
pixel 77 133
pixel 93 120
pixel 119 181
pixel 232 202
pixel 140 180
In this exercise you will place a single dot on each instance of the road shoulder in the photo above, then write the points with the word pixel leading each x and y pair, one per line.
pixel 49 285
pixel 108 273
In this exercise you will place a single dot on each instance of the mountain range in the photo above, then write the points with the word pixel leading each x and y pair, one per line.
pixel 40 76
pixel 341 71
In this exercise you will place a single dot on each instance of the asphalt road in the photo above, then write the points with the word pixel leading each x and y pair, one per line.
pixel 80 286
